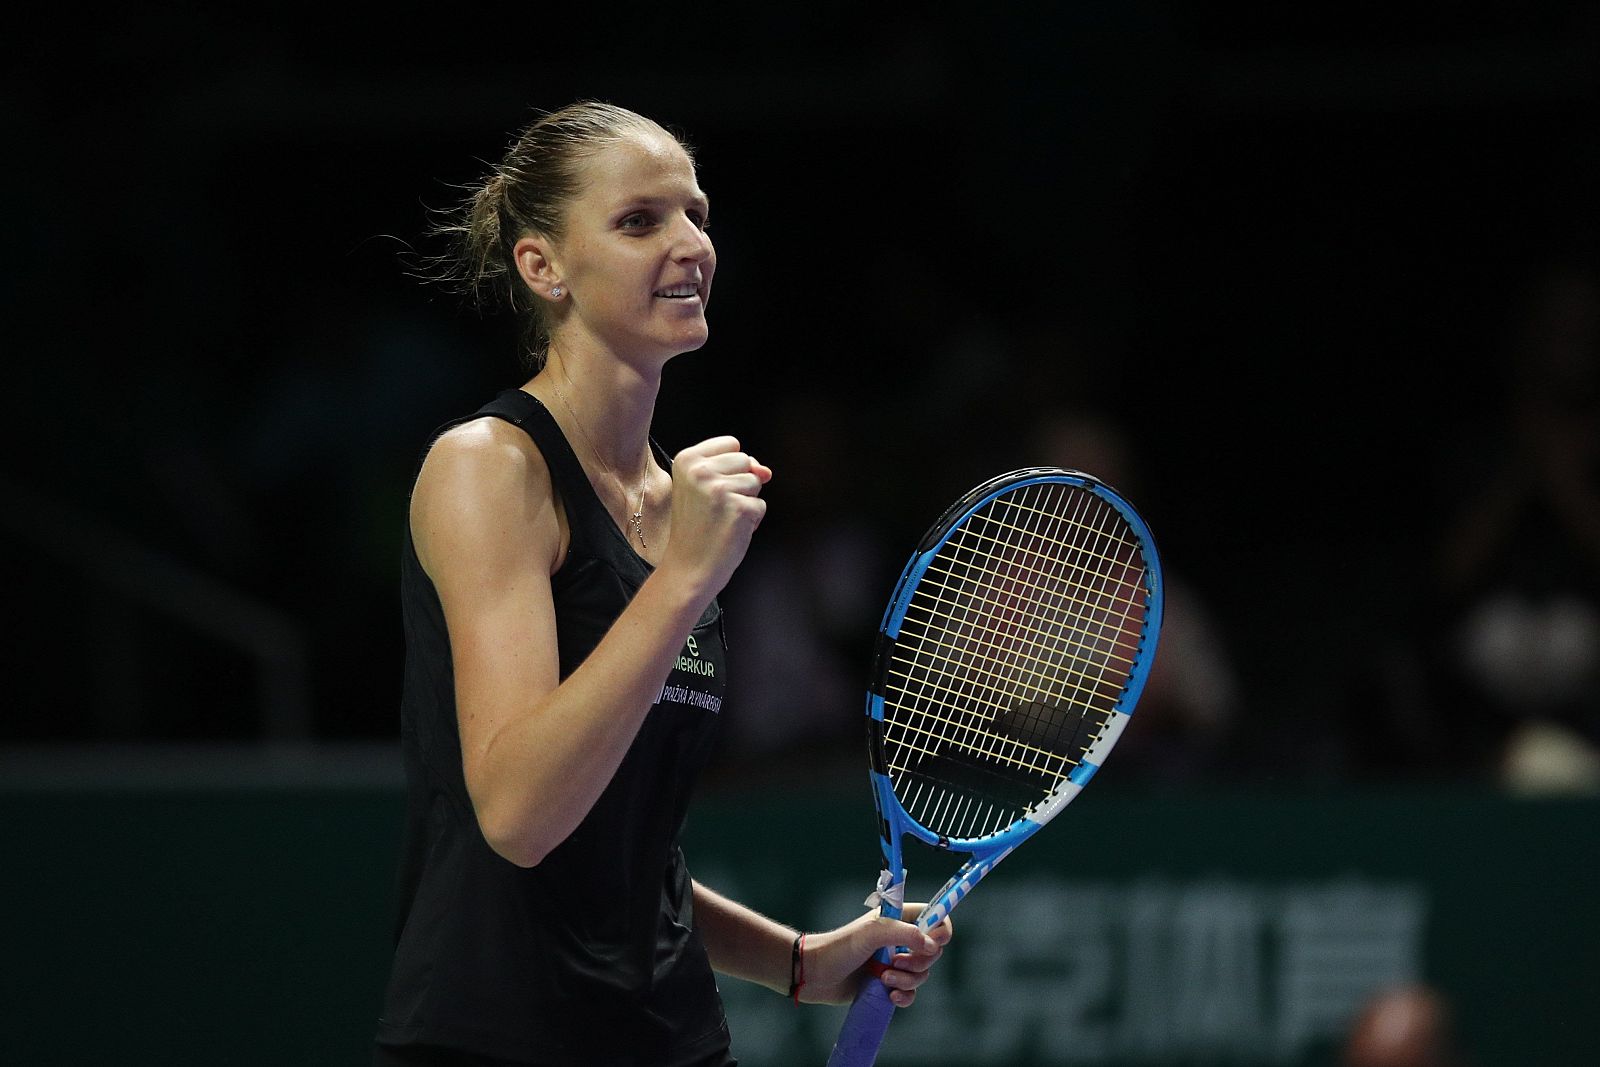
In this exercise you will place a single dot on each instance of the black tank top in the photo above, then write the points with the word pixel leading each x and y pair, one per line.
pixel 590 957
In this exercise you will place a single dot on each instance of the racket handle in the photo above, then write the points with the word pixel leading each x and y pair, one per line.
pixel 864 1027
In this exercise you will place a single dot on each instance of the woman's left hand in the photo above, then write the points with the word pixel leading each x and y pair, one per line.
pixel 835 960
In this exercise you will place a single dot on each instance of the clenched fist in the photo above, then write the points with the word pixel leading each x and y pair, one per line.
pixel 716 507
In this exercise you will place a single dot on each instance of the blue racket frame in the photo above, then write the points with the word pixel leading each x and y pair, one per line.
pixel 869 1015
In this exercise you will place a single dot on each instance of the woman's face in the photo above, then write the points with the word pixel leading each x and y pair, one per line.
pixel 636 260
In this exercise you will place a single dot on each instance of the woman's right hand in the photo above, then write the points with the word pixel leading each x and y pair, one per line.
pixel 716 507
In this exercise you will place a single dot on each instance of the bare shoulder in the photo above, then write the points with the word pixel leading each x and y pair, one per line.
pixel 483 448
pixel 484 490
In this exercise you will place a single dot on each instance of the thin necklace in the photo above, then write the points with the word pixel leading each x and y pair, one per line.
pixel 635 520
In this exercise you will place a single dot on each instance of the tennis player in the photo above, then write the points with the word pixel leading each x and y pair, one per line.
pixel 565 664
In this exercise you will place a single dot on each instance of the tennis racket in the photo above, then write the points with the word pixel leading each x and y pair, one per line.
pixel 1008 662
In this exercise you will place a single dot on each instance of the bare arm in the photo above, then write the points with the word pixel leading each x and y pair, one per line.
pixel 537 754
pixel 742 942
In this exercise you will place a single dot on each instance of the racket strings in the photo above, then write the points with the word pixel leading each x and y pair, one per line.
pixel 1113 601
pixel 934 603
pixel 968 799
pixel 1072 666
pixel 929 782
pixel 1026 757
pixel 932 615
pixel 1013 663
pixel 944 682
pixel 1000 711
pixel 1006 738
pixel 1021 764
pixel 954 603
pixel 1048 557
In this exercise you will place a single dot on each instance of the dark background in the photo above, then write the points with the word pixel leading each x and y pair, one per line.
pixel 1287 253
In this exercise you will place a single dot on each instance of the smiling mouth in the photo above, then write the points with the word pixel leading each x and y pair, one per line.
pixel 678 292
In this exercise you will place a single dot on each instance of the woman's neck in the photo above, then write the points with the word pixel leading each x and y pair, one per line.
pixel 611 399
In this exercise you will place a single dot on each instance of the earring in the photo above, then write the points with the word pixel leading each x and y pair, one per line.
pixel 555 293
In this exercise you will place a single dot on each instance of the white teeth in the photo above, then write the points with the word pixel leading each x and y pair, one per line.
pixel 679 290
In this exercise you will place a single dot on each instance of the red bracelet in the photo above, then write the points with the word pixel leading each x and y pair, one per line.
pixel 797 967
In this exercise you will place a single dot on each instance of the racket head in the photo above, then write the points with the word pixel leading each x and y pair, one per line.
pixel 1010 657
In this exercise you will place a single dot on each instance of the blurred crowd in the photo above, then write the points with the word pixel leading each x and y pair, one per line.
pixel 1381 564
pixel 1481 664
pixel 1495 673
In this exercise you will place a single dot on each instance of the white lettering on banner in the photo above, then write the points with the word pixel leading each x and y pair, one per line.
pixel 1336 943
pixel 1070 973
pixel 1145 1027
pixel 1056 972
pixel 1215 974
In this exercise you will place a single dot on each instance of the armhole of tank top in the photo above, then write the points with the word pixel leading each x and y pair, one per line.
pixel 519 412
pixel 538 423
pixel 585 516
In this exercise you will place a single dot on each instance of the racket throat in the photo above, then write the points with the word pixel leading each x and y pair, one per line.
pixel 959 885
